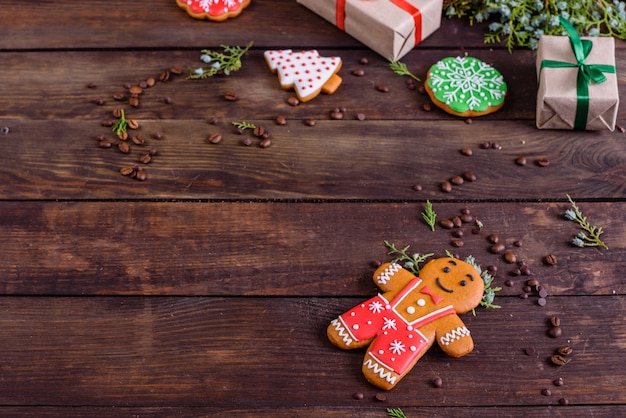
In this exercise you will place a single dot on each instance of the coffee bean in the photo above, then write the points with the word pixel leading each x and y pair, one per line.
pixel 265 143
pixel 358 396
pixel 469 121
pixel 532 282
pixel 118 95
pixel 509 283
pixel 105 143
pixel 469 176
pixel 336 115
pixel 563 402
pixel 530 351
pixel 515 272
pixel 543 162
pixel 558 381
pixel 427 107
pixel 467 218
pixel 136 90
pixel 555 321
pixel 466 151
pixel 437 382
pixel 492 269
pixel 141 176
pixel 258 131
pixel 383 88
pixel 176 70
pixel 559 360
pixel 145 158
pixel 493 238
pixel 417 187
pixel 215 138
pixel 620 128
pixel 165 76
pixel 246 141
pixel 100 101
pixel 123 147
pixel 123 135
pixel 107 123
pixel 138 140
pixel 126 171
pixel 150 82
pixel 457 243
pixel 293 101
pixel 133 101
pixel 167 100
pixel 157 135
pixel 133 124
pixel 359 72
pixel 457 222
pixel 91 86
pixel 555 332
pixel 546 392
pixel 457 233
pixel 143 84
pixel 495 145
pixel 153 152
pixel 281 120
pixel 229 96
pixel 523 295
pixel 100 137
pixel 521 160
pixel 457 180
pixel 525 270
pixel 381 397
pixel 565 350
pixel 550 259
pixel 518 243
pixel 485 145
pixel 497 248
pixel 509 257
pixel 446 224
pixel 214 120
pixel 309 122
pixel 446 186
pixel 527 289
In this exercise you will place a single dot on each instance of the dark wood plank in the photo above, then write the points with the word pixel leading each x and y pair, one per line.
pixel 119 24
pixel 332 160
pixel 250 353
pixel 283 248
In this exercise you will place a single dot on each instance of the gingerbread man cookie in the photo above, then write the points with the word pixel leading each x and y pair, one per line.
pixel 307 72
pixel 216 10
pixel 402 323
pixel 465 86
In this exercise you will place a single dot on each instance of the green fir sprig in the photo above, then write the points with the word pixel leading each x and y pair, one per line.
pixel 395 413
pixel 521 23
pixel 121 125
pixel 400 68
pixel 429 215
pixel 411 262
pixel 243 125
pixel 590 236
pixel 221 62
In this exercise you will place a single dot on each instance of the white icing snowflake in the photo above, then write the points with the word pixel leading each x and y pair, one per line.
pixel 396 347
pixel 376 307
pixel 468 80
pixel 389 324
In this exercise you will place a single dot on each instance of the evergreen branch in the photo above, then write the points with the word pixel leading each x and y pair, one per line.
pixel 400 68
pixel 395 413
pixel 592 236
pixel 244 125
pixel 429 215
pixel 221 62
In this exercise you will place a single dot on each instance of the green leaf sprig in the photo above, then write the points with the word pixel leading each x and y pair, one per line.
pixel 121 125
pixel 429 215
pixel 591 235
pixel 410 262
pixel 243 125
pixel 400 68
pixel 221 62
pixel 395 413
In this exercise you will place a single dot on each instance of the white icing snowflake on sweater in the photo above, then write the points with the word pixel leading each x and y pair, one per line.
pixel 397 347
pixel 389 324
pixel 376 307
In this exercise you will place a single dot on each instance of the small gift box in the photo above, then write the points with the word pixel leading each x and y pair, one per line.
pixel 577 82
pixel 390 27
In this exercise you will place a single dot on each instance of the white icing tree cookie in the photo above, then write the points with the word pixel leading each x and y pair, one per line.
pixel 306 72
pixel 216 10
pixel 466 86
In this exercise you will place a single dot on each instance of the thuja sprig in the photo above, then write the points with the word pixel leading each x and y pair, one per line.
pixel 410 262
pixel 243 125
pixel 591 235
pixel 221 62
pixel 400 68
pixel 429 215
pixel 121 125
pixel 395 413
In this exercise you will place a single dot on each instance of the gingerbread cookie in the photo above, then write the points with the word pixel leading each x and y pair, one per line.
pixel 216 10
pixel 465 86
pixel 401 324
pixel 306 72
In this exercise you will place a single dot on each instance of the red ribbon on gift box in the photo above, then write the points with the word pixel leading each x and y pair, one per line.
pixel 403 4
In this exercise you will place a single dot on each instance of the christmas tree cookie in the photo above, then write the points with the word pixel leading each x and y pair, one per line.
pixel 306 72
pixel 216 10
pixel 465 86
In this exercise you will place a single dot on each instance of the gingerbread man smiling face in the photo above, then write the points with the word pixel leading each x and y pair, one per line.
pixel 400 324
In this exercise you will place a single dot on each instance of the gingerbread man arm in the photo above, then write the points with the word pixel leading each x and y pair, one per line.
pixel 391 277
pixel 453 336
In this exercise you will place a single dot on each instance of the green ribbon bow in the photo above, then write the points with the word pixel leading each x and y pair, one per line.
pixel 586 72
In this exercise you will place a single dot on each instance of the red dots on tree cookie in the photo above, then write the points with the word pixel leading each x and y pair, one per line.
pixel 307 72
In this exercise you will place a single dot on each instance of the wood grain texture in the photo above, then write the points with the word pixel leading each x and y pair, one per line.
pixel 262 352
pixel 282 248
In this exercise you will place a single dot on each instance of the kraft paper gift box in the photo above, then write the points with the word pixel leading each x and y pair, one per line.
pixel 392 28
pixel 573 96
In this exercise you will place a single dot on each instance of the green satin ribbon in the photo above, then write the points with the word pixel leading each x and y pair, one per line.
pixel 586 72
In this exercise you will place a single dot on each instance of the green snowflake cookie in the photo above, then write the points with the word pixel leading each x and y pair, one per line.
pixel 466 86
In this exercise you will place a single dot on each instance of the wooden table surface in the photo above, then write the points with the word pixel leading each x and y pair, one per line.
pixel 206 289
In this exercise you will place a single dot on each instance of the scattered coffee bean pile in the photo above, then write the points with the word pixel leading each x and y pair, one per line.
pixel 131 95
